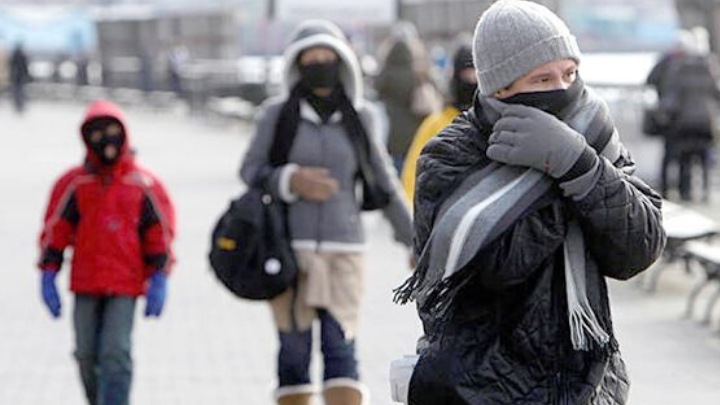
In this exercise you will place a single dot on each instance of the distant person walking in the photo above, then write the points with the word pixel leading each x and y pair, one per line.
pixel 686 81
pixel 406 88
pixel 325 125
pixel 177 61
pixel 463 85
pixel 19 77
pixel 119 221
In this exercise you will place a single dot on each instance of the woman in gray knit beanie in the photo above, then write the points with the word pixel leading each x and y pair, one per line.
pixel 524 206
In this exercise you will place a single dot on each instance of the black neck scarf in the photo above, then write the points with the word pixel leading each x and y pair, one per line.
pixel 286 130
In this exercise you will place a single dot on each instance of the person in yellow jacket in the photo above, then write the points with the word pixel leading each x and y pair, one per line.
pixel 462 86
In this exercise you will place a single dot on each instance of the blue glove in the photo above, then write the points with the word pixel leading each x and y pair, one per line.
pixel 156 294
pixel 49 292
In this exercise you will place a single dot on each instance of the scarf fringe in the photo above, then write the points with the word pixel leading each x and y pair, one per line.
pixel 404 293
pixel 584 325
pixel 436 303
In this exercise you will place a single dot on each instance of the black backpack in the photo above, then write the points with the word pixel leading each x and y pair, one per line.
pixel 250 249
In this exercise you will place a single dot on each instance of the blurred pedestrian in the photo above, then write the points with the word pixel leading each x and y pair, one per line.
pixel 19 77
pixel 119 220
pixel 686 81
pixel 147 74
pixel 406 88
pixel 463 85
pixel 523 207
pixel 81 74
pixel 324 125
pixel 177 60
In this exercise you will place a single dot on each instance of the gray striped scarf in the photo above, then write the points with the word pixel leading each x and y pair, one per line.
pixel 489 202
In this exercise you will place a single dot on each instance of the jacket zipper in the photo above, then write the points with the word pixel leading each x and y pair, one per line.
pixel 318 236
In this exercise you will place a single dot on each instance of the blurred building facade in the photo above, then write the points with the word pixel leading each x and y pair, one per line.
pixel 138 43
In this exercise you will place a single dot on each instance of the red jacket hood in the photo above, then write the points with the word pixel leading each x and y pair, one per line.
pixel 106 109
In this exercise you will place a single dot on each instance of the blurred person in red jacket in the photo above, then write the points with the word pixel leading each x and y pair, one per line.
pixel 119 220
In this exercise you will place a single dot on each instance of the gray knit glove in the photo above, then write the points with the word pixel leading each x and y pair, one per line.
pixel 529 137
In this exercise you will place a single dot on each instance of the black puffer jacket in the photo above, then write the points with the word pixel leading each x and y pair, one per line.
pixel 507 341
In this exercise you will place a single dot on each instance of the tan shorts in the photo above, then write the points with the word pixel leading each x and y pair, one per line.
pixel 332 281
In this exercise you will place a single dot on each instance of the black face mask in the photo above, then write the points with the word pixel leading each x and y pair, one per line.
pixel 99 137
pixel 320 75
pixel 464 94
pixel 552 102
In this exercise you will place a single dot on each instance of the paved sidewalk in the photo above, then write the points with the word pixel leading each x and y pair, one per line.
pixel 209 348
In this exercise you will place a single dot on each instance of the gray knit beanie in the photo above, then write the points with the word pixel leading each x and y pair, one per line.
pixel 514 37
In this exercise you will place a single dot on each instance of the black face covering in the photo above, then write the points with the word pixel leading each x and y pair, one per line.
pixel 102 134
pixel 324 106
pixel 320 75
pixel 552 102
pixel 464 94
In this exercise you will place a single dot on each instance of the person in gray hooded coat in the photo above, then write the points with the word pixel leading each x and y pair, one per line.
pixel 324 119
pixel 524 206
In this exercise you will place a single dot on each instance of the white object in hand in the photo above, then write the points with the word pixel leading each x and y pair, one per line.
pixel 401 371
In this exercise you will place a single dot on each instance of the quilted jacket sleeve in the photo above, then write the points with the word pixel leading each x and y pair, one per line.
pixel 517 253
pixel 621 222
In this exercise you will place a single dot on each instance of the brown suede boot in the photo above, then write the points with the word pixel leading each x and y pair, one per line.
pixel 343 396
pixel 295 399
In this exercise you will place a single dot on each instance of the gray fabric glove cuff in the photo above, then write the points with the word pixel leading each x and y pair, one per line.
pixel 587 160
pixel 580 186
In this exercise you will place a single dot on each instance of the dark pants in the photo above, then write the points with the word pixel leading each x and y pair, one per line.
pixel 296 352
pixel 684 157
pixel 103 326
pixel 18 94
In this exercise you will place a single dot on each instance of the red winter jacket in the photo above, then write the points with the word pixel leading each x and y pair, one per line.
pixel 118 219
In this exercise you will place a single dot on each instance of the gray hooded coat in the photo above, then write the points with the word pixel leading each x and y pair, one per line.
pixel 333 225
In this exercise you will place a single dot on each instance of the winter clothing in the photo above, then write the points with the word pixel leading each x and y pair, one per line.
pixel 333 281
pixel 342 391
pixel 496 197
pixel 118 218
pixel 120 222
pixel 295 353
pixel 689 98
pixel 19 72
pixel 49 292
pixel 320 75
pixel 506 336
pixel 103 326
pixel 156 294
pixel 332 133
pixel 463 92
pixel 515 36
pixel 430 127
pixel 295 399
pixel 528 137
pixel 510 281
pixel 396 86
pixel 333 226
pixel 19 76
pixel 329 288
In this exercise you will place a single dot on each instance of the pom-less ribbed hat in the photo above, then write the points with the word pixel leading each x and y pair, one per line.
pixel 514 37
